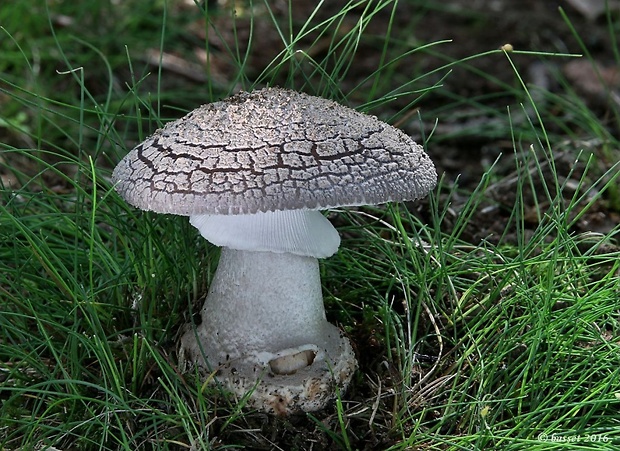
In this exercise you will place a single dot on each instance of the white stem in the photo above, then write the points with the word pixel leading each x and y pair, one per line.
pixel 264 331
pixel 261 303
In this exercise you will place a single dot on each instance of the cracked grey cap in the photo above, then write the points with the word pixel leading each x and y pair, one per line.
pixel 272 150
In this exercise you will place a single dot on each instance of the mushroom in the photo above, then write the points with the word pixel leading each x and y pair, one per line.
pixel 252 172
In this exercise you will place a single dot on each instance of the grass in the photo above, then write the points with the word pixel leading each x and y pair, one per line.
pixel 470 335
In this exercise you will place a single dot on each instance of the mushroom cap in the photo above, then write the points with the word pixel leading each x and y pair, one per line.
pixel 271 150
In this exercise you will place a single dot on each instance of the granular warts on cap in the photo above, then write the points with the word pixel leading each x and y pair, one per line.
pixel 270 150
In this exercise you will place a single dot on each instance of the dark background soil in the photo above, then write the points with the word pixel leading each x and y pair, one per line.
pixel 470 102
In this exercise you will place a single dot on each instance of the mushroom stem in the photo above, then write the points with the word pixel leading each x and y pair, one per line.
pixel 263 302
pixel 265 310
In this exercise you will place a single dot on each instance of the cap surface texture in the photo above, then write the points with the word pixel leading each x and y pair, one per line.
pixel 271 150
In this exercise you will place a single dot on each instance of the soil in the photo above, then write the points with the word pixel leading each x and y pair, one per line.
pixel 469 138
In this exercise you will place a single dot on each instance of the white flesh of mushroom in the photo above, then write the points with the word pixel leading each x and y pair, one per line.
pixel 264 313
